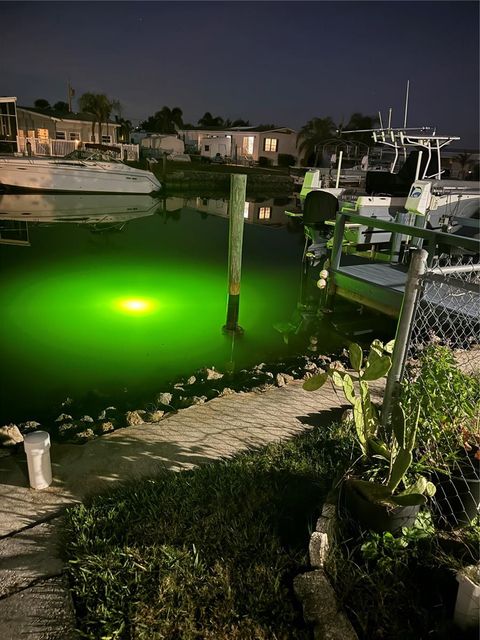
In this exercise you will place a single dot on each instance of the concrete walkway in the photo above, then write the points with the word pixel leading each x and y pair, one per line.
pixel 34 599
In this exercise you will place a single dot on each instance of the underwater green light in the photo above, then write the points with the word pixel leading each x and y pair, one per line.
pixel 136 305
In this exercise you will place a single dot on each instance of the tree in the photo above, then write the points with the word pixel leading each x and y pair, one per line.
pixel 312 135
pixel 61 107
pixel 98 106
pixel 164 121
pixel 208 121
pixel 361 122
pixel 41 103
pixel 464 160
pixel 124 130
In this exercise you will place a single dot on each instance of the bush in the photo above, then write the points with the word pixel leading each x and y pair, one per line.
pixel 285 160
pixel 264 162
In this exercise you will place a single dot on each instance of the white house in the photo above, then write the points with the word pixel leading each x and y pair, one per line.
pixel 248 144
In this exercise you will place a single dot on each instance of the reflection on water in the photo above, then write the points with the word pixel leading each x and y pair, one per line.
pixel 114 293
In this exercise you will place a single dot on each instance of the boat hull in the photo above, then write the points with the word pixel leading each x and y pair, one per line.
pixel 75 177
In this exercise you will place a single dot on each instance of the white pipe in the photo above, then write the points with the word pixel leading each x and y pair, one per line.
pixel 406 104
pixel 419 163
pixel 390 118
pixel 37 448
pixel 338 170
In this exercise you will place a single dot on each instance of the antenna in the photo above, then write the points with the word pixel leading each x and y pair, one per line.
pixel 390 118
pixel 406 104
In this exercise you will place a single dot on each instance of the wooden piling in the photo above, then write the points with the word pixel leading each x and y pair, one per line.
pixel 238 188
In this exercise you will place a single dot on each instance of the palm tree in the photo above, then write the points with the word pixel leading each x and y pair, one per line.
pixel 312 135
pixel 164 121
pixel 124 129
pixel 358 121
pixel 98 106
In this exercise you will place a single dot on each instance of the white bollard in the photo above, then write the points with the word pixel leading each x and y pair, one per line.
pixel 37 448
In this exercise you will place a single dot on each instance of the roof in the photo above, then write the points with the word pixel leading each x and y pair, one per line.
pixel 55 115
pixel 258 129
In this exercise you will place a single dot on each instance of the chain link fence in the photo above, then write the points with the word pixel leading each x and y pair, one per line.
pixel 442 374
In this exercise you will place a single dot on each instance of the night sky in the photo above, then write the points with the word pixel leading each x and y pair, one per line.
pixel 267 62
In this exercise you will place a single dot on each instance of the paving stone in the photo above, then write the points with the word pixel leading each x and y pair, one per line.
pixel 41 612
pixel 28 556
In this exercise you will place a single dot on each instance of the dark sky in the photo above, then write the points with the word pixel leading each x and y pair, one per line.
pixel 268 62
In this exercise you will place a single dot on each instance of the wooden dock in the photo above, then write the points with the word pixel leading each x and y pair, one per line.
pixel 381 286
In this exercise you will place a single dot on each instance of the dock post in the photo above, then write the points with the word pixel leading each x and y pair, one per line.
pixel 238 188
pixel 410 302
pixel 335 257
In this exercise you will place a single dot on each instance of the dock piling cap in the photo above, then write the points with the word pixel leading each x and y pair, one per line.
pixel 37 441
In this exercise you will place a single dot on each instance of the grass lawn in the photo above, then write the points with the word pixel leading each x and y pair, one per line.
pixel 209 553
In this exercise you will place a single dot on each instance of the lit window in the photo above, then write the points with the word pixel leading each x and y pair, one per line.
pixel 106 139
pixel 60 135
pixel 270 144
pixel 246 209
pixel 264 213
pixel 247 146
pixel 73 135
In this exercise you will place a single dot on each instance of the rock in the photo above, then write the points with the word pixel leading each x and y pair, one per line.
pixel 191 380
pixel 212 393
pixel 103 415
pixel 133 418
pixel 318 549
pixel 67 429
pixel 106 427
pixel 279 380
pixel 10 435
pixel 154 416
pixel 211 374
pixel 317 597
pixel 164 399
pixel 85 435
pixel 86 419
pixel 63 417
pixel 179 386
pixel 30 425
pixel 226 392
pixel 198 399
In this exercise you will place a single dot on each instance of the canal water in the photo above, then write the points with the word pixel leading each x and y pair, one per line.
pixel 112 295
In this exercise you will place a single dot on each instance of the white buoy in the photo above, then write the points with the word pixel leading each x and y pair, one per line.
pixel 37 448
pixel 321 283
pixel 324 274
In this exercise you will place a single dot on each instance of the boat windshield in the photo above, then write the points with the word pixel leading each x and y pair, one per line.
pixel 91 154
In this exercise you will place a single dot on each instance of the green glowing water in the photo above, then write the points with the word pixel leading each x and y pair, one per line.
pixel 128 310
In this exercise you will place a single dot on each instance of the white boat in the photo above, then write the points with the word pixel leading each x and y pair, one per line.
pixel 417 194
pixel 76 208
pixel 87 171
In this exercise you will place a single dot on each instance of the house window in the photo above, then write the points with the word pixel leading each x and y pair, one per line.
pixel 73 135
pixel 270 144
pixel 207 147
pixel 264 213
pixel 59 135
pixel 106 139
pixel 246 209
pixel 247 145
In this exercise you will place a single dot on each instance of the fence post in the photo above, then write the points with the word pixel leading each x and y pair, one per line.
pixel 238 188
pixel 410 301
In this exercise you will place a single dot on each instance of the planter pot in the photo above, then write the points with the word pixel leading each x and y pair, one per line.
pixel 377 517
pixel 467 607
pixel 457 498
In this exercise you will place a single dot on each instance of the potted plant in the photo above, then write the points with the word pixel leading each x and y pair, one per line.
pixel 392 499
pixel 467 606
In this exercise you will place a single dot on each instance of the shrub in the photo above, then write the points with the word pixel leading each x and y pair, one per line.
pixel 264 162
pixel 285 160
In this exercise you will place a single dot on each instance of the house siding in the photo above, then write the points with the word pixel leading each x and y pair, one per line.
pixel 287 141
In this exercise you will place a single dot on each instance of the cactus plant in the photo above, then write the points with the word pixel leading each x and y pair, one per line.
pixel 396 446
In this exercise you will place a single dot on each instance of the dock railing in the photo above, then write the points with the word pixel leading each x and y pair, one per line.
pixel 436 358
